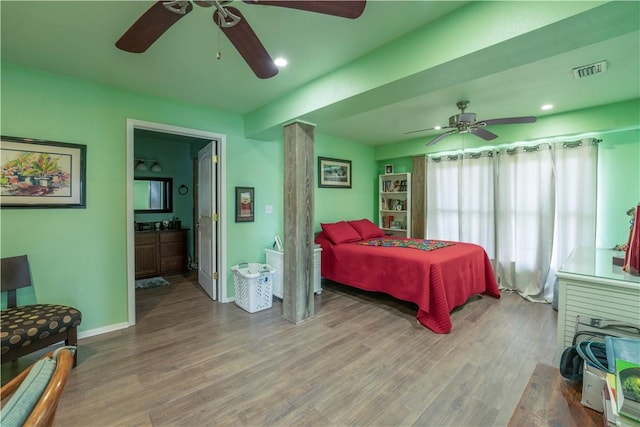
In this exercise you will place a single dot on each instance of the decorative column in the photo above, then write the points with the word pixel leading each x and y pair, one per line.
pixel 297 275
pixel 418 197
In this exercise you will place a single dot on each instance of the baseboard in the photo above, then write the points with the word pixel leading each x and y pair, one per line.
pixel 104 330
pixel 118 326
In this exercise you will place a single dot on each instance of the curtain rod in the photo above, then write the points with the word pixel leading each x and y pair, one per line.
pixel 476 153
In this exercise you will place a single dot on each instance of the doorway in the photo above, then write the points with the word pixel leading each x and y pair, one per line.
pixel 219 186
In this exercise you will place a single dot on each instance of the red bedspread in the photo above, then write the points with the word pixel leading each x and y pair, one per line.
pixel 437 281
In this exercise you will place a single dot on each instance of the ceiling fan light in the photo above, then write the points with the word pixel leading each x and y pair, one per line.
pixel 437 127
pixel 280 62
pixel 546 107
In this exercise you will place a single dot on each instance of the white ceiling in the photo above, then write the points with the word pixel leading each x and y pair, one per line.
pixel 77 38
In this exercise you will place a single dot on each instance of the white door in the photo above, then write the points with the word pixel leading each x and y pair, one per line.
pixel 207 218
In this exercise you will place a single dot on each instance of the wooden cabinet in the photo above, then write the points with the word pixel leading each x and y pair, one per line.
pixel 395 204
pixel 146 255
pixel 160 252
pixel 172 246
pixel 590 285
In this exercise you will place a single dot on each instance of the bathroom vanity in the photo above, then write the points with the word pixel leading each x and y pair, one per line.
pixel 160 252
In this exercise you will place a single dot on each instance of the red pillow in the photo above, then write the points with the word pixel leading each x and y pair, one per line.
pixel 340 232
pixel 366 229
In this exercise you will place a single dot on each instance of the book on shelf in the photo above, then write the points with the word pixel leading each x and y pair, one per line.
pixel 628 389
pixel 389 186
pixel 390 203
pixel 389 220
pixel 609 417
pixel 610 413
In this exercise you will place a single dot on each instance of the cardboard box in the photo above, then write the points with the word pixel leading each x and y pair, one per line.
pixel 593 383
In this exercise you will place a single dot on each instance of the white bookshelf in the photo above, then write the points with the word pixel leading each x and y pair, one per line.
pixel 394 214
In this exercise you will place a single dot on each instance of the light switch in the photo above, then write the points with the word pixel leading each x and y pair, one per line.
pixel 268 209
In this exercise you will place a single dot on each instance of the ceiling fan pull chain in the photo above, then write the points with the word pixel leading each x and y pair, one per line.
pixel 219 54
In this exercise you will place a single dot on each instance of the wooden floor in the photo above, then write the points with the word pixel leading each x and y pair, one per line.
pixel 363 360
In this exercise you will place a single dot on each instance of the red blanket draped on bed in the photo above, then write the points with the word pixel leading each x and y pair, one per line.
pixel 437 280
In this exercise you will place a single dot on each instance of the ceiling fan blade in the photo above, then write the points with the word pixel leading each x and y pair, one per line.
pixel 424 130
pixel 484 134
pixel 508 121
pixel 149 27
pixel 416 131
pixel 344 9
pixel 248 44
pixel 441 137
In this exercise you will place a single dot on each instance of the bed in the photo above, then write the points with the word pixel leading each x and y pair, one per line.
pixel 435 275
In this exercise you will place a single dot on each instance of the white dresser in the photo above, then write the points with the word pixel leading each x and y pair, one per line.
pixel 275 260
pixel 589 284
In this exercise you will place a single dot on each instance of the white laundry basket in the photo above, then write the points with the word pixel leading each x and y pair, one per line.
pixel 253 285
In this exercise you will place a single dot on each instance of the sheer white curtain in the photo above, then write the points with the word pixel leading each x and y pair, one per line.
pixel 443 210
pixel 461 206
pixel 477 201
pixel 527 206
pixel 525 214
pixel 576 202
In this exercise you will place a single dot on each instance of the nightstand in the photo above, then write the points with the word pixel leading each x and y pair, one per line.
pixel 275 259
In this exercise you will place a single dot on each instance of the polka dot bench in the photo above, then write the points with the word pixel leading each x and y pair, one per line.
pixel 31 327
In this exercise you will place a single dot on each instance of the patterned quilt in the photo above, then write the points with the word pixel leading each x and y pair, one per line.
pixel 391 242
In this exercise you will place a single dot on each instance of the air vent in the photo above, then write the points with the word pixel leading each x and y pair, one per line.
pixel 590 70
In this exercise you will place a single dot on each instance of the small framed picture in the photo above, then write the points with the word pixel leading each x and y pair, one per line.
pixel 388 168
pixel 245 206
pixel 334 173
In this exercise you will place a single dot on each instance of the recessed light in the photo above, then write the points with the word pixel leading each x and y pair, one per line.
pixel 280 62
pixel 546 107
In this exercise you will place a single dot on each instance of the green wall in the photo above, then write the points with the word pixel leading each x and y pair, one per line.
pixel 260 165
pixel 618 185
pixel 335 204
pixel 78 256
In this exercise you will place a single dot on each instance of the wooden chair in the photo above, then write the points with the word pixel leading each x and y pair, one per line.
pixel 28 328
pixel 26 396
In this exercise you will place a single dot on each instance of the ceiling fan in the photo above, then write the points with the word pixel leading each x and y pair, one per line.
pixel 163 14
pixel 466 123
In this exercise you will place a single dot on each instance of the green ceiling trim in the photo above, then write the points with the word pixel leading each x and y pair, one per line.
pixel 399 65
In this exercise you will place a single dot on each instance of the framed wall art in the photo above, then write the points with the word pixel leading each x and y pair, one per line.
pixel 42 174
pixel 388 168
pixel 334 173
pixel 245 204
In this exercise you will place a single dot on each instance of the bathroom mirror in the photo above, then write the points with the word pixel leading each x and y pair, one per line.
pixel 151 195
